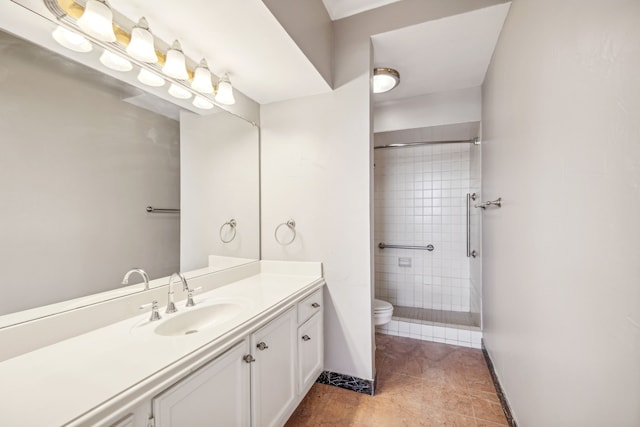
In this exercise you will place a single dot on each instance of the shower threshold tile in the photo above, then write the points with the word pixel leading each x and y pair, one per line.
pixel 430 316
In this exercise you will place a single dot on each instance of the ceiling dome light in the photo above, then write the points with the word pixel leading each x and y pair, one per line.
pixel 71 40
pixel 115 61
pixel 202 78
pixel 202 103
pixel 178 92
pixel 97 21
pixel 175 65
pixel 224 95
pixel 141 46
pixel 385 79
pixel 150 79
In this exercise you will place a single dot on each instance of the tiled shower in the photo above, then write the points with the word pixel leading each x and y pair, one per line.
pixel 420 200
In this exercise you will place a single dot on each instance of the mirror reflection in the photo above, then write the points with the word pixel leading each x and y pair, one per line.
pixel 82 157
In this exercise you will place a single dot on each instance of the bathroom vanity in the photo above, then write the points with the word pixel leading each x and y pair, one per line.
pixel 245 354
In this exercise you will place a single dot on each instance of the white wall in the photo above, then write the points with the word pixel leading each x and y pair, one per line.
pixel 219 182
pixel 561 121
pixel 434 109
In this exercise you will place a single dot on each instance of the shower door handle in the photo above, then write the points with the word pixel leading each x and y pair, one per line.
pixel 470 197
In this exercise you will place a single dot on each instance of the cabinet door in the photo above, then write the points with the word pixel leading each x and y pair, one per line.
pixel 216 394
pixel 273 386
pixel 310 352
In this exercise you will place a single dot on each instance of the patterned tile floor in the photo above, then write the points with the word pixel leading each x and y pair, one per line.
pixel 420 383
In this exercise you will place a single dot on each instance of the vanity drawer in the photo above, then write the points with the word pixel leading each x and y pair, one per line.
pixel 309 306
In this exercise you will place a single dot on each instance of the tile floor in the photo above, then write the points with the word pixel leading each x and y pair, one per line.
pixel 420 383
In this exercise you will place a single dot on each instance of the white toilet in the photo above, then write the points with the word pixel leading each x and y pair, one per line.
pixel 382 312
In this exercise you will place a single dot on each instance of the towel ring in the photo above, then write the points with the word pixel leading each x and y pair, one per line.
pixel 292 226
pixel 231 223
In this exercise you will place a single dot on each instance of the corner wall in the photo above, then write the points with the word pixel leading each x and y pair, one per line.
pixel 561 124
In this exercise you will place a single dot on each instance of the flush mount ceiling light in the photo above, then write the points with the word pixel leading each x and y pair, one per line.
pixel 150 79
pixel 175 65
pixel 115 61
pixel 71 40
pixel 202 78
pixel 141 46
pixel 385 79
pixel 97 21
pixel 224 94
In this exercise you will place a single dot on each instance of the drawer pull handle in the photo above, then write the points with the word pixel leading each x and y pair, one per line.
pixel 306 338
pixel 249 358
pixel 315 305
pixel 262 346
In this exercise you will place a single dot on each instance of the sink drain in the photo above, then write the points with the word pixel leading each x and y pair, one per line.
pixel 193 331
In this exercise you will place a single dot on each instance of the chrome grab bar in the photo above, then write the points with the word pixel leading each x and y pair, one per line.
pixel 422 248
pixel 151 209
pixel 470 197
pixel 497 202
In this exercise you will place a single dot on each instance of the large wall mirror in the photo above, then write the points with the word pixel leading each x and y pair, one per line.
pixel 82 156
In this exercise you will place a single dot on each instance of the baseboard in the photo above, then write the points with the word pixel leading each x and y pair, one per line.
pixel 347 382
pixel 503 399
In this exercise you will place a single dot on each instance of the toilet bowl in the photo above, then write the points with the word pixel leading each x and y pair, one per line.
pixel 382 312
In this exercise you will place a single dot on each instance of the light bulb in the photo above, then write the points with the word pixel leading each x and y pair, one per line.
pixel 71 40
pixel 178 92
pixel 115 61
pixel 97 21
pixel 175 65
pixel 200 102
pixel 141 46
pixel 202 78
pixel 150 79
pixel 224 95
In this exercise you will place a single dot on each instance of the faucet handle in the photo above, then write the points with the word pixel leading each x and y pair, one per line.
pixel 155 313
pixel 190 302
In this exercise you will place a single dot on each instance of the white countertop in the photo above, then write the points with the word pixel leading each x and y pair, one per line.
pixel 55 385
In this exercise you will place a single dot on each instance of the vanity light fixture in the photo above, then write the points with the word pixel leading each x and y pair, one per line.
pixel 224 94
pixel 385 79
pixel 141 46
pixel 97 21
pixel 175 65
pixel 202 103
pixel 179 92
pixel 150 79
pixel 115 61
pixel 71 40
pixel 202 78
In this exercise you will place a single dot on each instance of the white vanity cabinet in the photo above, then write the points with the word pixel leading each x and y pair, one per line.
pixel 273 371
pixel 216 394
pixel 310 341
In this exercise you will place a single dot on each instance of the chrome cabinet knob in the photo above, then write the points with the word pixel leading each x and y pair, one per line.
pixel 249 358
pixel 315 305
pixel 306 338
pixel 262 346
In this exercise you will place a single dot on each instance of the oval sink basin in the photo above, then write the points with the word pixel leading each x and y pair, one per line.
pixel 198 318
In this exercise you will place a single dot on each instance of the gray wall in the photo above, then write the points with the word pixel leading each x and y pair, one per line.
pixel 78 166
pixel 561 292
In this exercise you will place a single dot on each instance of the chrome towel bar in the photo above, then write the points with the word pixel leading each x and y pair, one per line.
pixel 151 209
pixel 422 248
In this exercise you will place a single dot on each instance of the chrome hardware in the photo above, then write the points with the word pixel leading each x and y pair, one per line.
pixel 315 305
pixel 190 302
pixel 497 202
pixel 232 224
pixel 474 253
pixel 422 248
pixel 262 346
pixel 470 197
pixel 291 224
pixel 141 272
pixel 475 141
pixel 155 314
pixel 151 209
pixel 306 338
pixel 249 358
pixel 171 307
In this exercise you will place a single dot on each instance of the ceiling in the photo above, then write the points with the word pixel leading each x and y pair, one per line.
pixel 339 9
pixel 442 55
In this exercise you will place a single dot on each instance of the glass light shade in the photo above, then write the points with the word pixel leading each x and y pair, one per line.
pixel 202 78
pixel 141 46
pixel 175 65
pixel 71 40
pixel 202 103
pixel 178 92
pixel 224 95
pixel 385 79
pixel 115 61
pixel 150 79
pixel 97 21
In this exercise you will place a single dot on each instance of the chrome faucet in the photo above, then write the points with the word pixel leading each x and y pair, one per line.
pixel 141 272
pixel 171 307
